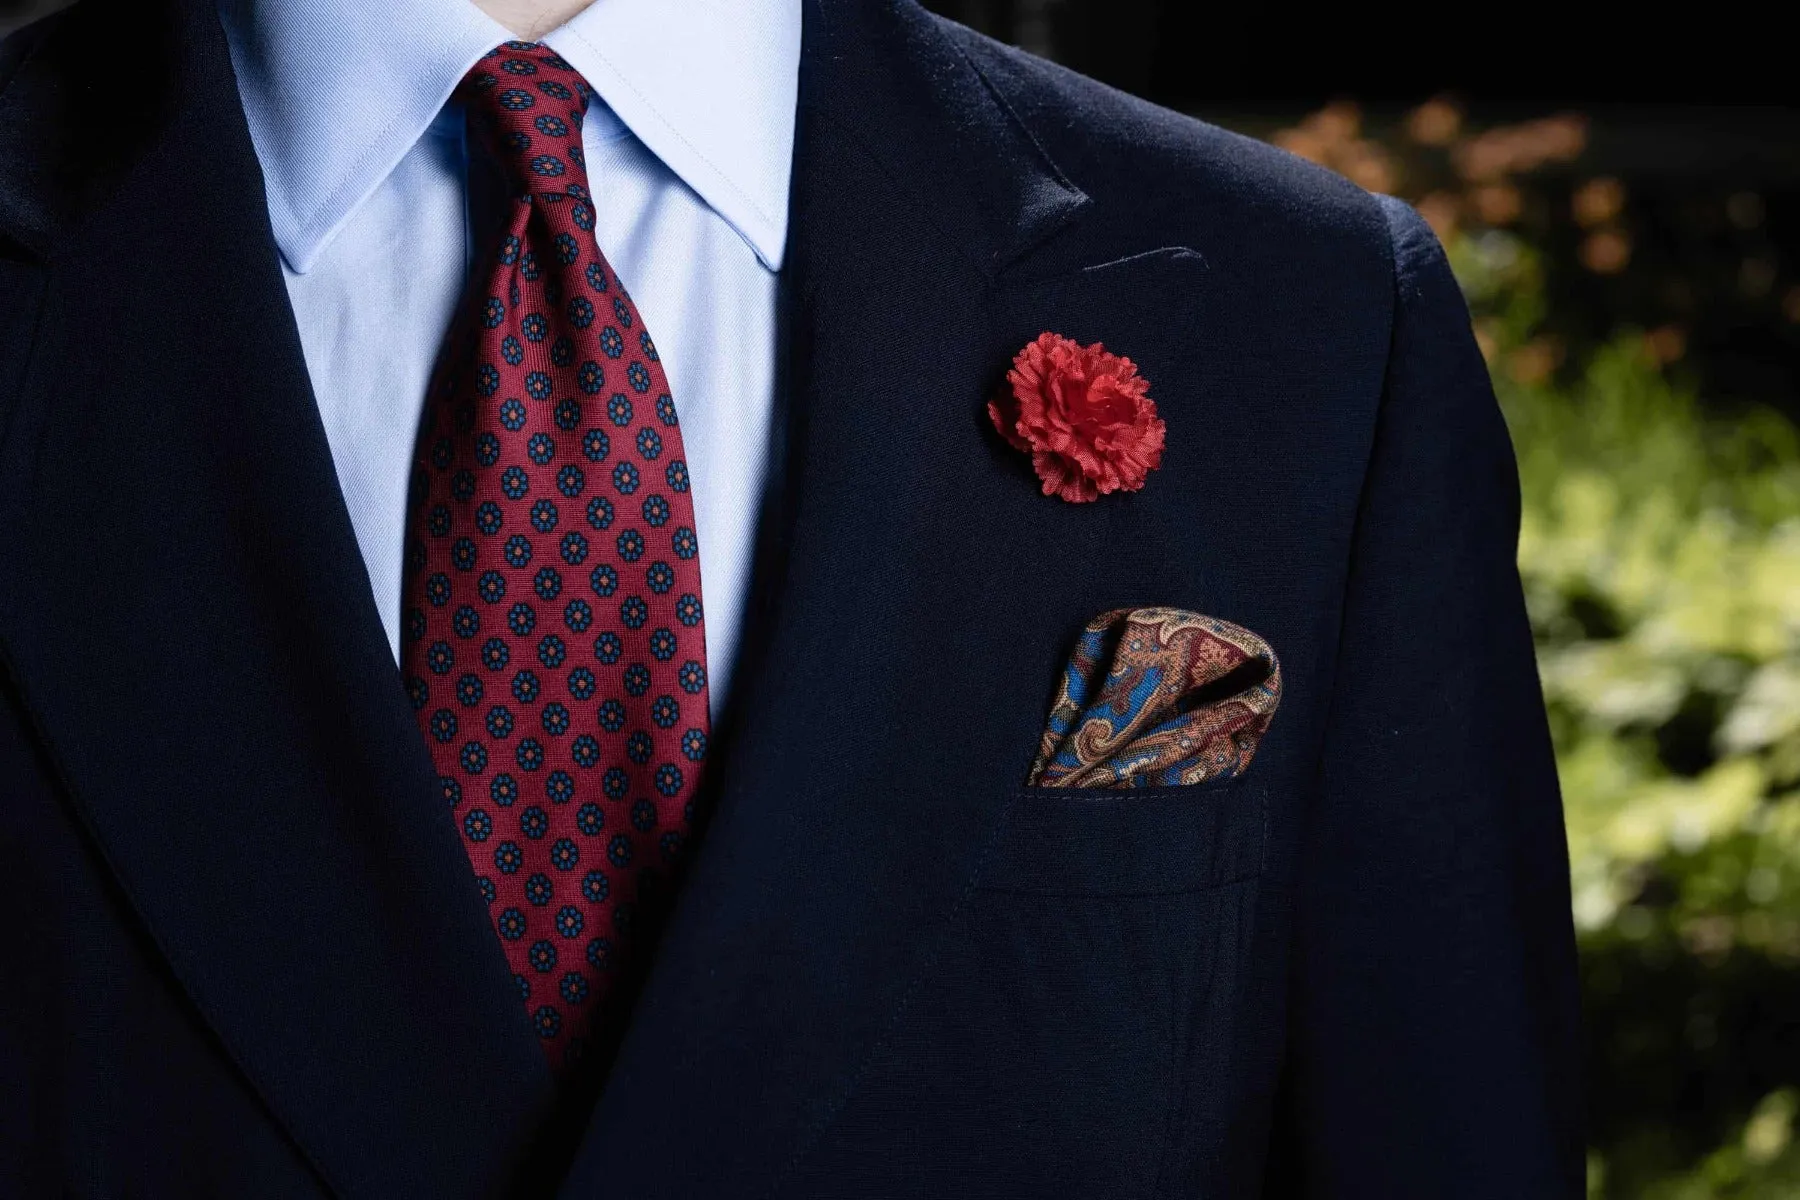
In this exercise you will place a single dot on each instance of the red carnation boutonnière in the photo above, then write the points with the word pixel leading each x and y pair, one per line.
pixel 1083 414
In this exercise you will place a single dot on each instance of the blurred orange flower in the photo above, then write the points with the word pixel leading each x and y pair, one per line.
pixel 1606 252
pixel 1533 362
pixel 1434 123
pixel 1491 156
pixel 1498 203
pixel 1666 344
pixel 1597 201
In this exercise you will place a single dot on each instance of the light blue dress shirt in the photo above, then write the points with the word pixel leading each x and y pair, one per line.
pixel 689 147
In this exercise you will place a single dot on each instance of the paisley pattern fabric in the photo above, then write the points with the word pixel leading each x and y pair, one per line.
pixel 1134 708
pixel 555 649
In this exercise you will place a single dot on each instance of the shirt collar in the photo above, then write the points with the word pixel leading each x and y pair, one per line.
pixel 337 91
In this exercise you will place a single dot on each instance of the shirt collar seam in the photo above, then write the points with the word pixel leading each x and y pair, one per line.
pixel 723 176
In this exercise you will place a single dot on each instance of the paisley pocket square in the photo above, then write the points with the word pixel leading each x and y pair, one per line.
pixel 1158 697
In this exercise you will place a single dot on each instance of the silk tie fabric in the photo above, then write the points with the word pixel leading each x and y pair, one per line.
pixel 554 644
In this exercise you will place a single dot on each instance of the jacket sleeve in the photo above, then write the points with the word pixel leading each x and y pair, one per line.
pixel 1434 1036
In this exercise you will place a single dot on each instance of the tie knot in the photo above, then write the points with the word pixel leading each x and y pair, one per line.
pixel 526 104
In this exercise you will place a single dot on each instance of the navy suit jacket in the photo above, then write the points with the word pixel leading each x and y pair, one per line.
pixel 244 956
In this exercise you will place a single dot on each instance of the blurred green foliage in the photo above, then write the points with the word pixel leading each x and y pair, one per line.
pixel 1660 553
pixel 1660 550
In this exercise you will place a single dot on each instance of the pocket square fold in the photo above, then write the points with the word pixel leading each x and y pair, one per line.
pixel 1158 697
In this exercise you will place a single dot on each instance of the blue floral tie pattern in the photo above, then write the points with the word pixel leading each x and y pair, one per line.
pixel 554 650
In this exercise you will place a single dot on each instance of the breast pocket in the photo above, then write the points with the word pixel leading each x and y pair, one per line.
pixel 1129 841
pixel 1089 985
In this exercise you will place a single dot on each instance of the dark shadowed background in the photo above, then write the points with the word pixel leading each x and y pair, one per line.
pixel 1622 205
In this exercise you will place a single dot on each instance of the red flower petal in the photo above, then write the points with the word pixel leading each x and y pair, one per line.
pixel 1084 415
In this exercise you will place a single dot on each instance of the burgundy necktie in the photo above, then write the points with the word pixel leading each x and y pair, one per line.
pixel 554 648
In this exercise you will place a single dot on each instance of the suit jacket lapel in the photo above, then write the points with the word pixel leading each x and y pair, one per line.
pixel 864 769
pixel 184 611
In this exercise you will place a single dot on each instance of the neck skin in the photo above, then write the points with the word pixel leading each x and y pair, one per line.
pixel 531 19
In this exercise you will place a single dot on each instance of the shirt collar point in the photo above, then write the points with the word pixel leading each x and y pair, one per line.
pixel 770 246
pixel 299 251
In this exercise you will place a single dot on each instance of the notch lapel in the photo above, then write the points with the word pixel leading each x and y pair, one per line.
pixel 184 612
pixel 872 744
